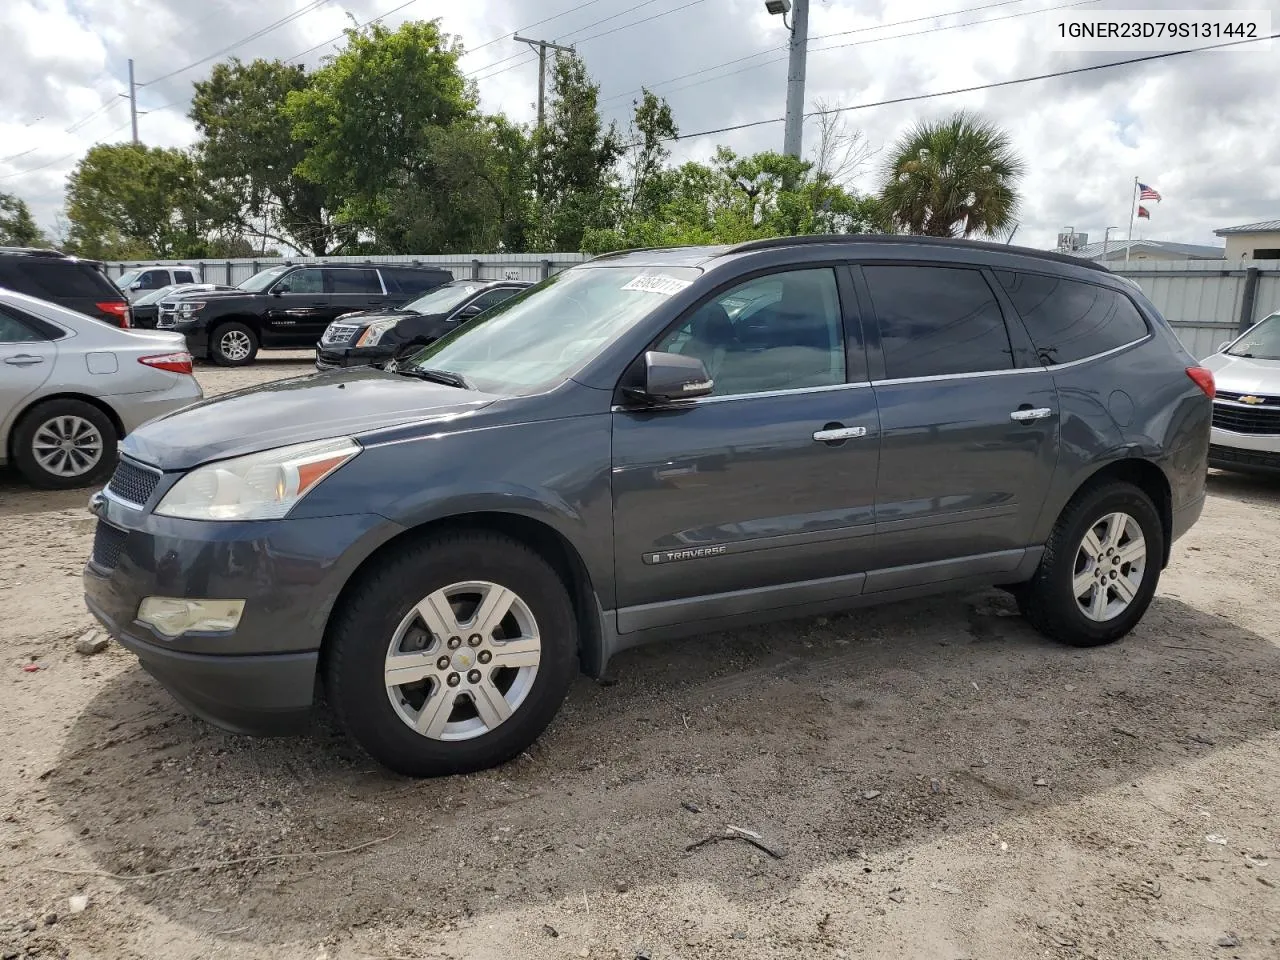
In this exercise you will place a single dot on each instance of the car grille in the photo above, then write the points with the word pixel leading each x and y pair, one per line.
pixel 132 483
pixel 167 314
pixel 1262 418
pixel 1244 458
pixel 108 542
pixel 337 333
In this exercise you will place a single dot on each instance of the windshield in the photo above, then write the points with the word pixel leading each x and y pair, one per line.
pixel 262 279
pixel 442 299
pixel 539 338
pixel 1260 343
pixel 127 278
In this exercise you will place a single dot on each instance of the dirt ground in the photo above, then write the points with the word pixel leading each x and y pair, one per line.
pixel 936 780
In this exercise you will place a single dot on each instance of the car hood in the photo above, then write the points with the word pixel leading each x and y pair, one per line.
pixel 316 407
pixel 1244 374
pixel 366 317
pixel 212 295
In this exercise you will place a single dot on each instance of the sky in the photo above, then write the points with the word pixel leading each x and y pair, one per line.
pixel 1200 128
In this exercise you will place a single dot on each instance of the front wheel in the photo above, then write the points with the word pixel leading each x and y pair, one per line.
pixel 453 655
pixel 1100 567
pixel 233 345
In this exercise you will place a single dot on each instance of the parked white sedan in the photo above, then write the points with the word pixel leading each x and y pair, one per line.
pixel 1246 409
pixel 72 386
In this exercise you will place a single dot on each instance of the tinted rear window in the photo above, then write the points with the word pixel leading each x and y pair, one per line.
pixel 1069 319
pixel 937 320
pixel 354 281
pixel 411 283
pixel 58 279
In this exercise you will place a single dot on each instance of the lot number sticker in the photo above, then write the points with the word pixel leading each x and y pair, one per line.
pixel 657 283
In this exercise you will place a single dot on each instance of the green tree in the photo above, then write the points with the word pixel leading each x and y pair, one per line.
pixel 956 177
pixel 250 158
pixel 574 160
pixel 17 227
pixel 652 126
pixel 386 122
pixel 128 200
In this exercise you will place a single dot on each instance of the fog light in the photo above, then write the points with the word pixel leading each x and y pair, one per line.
pixel 173 617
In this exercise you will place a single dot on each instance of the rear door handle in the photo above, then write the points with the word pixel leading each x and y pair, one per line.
pixel 1026 416
pixel 839 433
pixel 23 360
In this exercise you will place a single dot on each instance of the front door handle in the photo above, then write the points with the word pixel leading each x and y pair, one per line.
pixel 829 434
pixel 1030 414
pixel 23 360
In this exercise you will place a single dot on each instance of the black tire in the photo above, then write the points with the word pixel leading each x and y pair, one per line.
pixel 49 412
pixel 221 341
pixel 1048 602
pixel 360 634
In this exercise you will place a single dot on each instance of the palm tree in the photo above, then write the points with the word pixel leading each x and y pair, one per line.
pixel 952 178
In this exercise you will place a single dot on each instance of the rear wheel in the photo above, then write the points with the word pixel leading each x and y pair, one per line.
pixel 1100 568
pixel 61 444
pixel 233 345
pixel 453 655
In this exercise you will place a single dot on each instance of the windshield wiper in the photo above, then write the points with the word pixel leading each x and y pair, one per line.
pixel 446 377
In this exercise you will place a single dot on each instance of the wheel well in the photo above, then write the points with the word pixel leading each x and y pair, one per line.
pixel 83 398
pixel 541 538
pixel 1150 479
pixel 248 320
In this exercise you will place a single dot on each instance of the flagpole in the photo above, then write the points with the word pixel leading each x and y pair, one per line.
pixel 1133 209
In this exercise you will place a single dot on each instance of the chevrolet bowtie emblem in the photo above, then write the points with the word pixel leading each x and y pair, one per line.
pixel 1252 400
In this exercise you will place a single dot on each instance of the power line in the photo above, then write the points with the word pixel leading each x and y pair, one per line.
pixel 981 86
pixel 595 23
pixel 827 36
pixel 530 26
pixel 43 166
pixel 274 25
pixel 360 26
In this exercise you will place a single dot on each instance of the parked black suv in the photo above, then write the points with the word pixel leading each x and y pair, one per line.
pixel 374 336
pixel 651 444
pixel 288 307
pixel 79 285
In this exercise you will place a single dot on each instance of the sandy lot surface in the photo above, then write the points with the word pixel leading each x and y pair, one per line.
pixel 936 780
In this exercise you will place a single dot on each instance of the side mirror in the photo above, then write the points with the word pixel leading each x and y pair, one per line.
pixel 279 288
pixel 670 378
pixel 136 285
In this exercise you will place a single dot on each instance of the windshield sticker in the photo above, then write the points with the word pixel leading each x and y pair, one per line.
pixel 657 283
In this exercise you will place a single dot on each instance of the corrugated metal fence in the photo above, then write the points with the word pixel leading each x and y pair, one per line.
pixel 1207 301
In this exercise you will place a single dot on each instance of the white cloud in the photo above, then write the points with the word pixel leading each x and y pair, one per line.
pixel 1199 127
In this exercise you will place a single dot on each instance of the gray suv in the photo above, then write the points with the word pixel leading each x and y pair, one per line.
pixel 652 444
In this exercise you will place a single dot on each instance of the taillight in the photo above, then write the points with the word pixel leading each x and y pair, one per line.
pixel 1203 379
pixel 179 362
pixel 117 308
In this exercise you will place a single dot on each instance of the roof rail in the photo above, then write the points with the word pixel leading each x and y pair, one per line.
pixel 33 251
pixel 773 243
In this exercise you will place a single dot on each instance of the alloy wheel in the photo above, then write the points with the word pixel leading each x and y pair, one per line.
pixel 67 446
pixel 462 661
pixel 234 345
pixel 1110 564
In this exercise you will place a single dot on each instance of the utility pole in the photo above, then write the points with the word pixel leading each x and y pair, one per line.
pixel 791 141
pixel 542 46
pixel 133 101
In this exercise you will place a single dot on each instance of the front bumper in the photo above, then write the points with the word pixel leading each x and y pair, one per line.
pixel 260 677
pixel 338 358
pixel 1245 452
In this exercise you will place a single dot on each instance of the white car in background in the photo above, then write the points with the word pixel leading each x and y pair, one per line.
pixel 142 280
pixel 72 386
pixel 1246 408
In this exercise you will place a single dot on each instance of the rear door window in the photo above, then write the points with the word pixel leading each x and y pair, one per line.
pixel 413 283
pixel 937 321
pixel 1069 319
pixel 354 281
pixel 13 330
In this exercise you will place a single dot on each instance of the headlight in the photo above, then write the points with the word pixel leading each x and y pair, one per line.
pixel 191 306
pixel 260 486
pixel 373 333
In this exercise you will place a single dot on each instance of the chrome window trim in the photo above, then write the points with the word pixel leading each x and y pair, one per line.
pixel 1105 353
pixel 827 388
pixel 1044 368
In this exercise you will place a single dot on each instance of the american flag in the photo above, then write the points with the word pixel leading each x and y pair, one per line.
pixel 1147 193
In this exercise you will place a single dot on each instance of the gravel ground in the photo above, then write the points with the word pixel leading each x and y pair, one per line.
pixel 930 779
